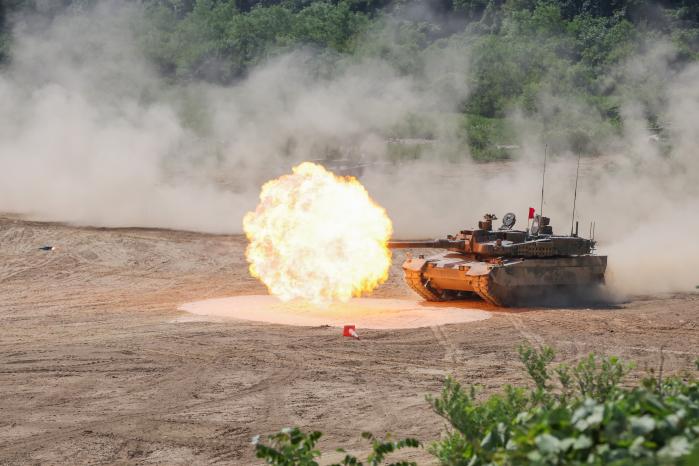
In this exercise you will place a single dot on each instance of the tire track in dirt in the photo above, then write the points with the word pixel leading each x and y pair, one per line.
pixel 275 390
pixel 650 349
pixel 450 350
pixel 184 380
pixel 29 266
pixel 531 337
pixel 380 404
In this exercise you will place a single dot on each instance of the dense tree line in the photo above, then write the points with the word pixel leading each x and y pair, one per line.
pixel 519 49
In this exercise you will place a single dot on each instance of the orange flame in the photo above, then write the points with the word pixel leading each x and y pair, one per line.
pixel 317 236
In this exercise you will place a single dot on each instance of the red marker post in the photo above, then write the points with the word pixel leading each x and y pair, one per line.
pixel 350 331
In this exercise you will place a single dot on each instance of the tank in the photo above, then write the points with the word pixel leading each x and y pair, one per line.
pixel 504 266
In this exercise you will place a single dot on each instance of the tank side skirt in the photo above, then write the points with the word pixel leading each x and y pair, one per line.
pixel 499 286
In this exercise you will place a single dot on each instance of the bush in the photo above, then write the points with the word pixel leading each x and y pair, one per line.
pixel 586 417
pixel 291 447
pixel 570 416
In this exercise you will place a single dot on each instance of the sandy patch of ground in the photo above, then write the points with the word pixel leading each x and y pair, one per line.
pixel 363 312
pixel 97 364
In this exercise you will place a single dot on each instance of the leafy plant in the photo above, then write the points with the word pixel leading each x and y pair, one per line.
pixel 586 418
pixel 289 447
pixel 292 447
pixel 536 363
pixel 573 415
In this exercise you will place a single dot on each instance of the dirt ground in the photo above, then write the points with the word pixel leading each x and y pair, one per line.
pixel 97 365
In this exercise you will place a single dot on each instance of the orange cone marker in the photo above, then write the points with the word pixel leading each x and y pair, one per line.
pixel 350 331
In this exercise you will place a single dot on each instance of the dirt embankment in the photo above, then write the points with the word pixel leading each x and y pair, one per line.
pixel 98 365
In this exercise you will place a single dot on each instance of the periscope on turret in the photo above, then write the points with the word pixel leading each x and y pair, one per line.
pixel 504 267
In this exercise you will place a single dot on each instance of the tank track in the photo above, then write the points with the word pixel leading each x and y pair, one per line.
pixel 484 288
pixel 414 279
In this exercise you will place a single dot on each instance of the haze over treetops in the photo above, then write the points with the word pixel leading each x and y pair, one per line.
pixel 566 66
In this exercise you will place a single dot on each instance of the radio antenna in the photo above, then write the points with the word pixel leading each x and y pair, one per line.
pixel 543 180
pixel 575 194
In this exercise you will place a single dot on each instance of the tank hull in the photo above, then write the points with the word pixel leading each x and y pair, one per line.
pixel 503 282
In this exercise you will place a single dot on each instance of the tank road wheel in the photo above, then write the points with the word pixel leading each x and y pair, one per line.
pixel 415 281
pixel 454 295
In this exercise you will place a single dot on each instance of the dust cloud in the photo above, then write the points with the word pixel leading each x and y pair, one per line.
pixel 642 194
pixel 90 134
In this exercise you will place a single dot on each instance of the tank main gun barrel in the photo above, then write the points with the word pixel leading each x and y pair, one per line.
pixel 428 244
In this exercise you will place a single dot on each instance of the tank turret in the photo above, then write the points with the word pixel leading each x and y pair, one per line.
pixel 506 242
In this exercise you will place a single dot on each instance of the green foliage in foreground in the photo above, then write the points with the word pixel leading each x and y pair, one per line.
pixel 573 415
pixel 291 447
